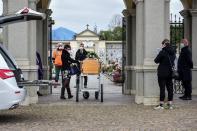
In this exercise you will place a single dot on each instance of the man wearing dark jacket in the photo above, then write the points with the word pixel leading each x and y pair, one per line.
pixel 66 61
pixel 165 59
pixel 185 64
pixel 81 55
pixel 40 69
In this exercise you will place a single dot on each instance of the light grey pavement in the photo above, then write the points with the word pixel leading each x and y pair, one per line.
pixel 112 93
pixel 117 113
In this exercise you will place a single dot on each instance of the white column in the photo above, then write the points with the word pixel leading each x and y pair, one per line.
pixel 130 15
pixel 139 81
pixel 133 50
pixel 128 49
pixel 194 48
pixel 42 48
pixel 152 27
pixel 187 24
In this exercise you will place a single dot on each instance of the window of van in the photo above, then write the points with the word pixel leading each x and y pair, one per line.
pixel 7 60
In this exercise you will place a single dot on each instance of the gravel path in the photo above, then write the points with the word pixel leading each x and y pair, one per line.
pixel 117 113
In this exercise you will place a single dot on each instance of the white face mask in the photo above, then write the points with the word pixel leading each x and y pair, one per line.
pixel 69 51
pixel 81 48
pixel 61 48
pixel 182 45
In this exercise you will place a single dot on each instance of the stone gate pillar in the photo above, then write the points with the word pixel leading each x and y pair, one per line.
pixel 130 41
pixel 42 48
pixel 194 48
pixel 187 24
pixel 190 32
pixel 139 81
pixel 152 27
pixel 20 39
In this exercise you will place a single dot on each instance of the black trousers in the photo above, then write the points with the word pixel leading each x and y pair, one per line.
pixel 187 85
pixel 165 83
pixel 85 80
pixel 65 83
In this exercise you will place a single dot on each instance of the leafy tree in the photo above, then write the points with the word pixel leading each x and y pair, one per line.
pixel 112 35
pixel 115 29
pixel 117 33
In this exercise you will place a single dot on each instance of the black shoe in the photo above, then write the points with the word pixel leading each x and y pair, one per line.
pixel 70 96
pixel 182 97
pixel 62 97
pixel 187 98
pixel 39 94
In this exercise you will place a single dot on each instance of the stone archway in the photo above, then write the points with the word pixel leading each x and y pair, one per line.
pixel 145 30
pixel 144 35
pixel 147 26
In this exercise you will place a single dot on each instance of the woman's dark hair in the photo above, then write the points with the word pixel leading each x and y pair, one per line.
pixel 67 47
pixel 166 42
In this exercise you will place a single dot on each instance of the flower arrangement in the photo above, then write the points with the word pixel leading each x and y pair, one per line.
pixel 92 55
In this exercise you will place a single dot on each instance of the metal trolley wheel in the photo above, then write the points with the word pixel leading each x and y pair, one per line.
pixel 101 92
pixel 86 95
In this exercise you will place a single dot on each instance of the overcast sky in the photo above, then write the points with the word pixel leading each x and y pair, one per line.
pixel 75 14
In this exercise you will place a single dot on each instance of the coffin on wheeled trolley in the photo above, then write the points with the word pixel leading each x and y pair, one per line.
pixel 89 66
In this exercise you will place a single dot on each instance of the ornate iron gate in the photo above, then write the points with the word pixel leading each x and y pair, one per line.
pixel 176 31
pixel 176 34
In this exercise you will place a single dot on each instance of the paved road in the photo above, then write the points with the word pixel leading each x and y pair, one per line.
pixel 112 93
pixel 118 112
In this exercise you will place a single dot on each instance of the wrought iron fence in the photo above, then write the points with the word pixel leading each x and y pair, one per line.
pixel 176 31
pixel 176 34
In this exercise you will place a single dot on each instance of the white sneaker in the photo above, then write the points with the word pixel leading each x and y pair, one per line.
pixel 170 106
pixel 159 107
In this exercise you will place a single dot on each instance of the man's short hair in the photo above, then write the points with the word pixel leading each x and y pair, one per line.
pixel 59 44
pixel 81 44
pixel 67 47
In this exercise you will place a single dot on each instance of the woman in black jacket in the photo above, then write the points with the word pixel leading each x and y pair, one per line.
pixel 165 59
pixel 66 62
pixel 185 64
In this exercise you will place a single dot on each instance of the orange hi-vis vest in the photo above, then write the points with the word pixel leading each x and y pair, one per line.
pixel 57 57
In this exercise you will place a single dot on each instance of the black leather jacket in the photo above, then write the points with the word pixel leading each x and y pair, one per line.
pixel 165 59
pixel 67 60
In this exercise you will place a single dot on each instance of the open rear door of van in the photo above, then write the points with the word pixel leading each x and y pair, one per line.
pixel 25 14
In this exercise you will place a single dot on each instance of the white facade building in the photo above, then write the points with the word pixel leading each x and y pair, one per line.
pixel 106 50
